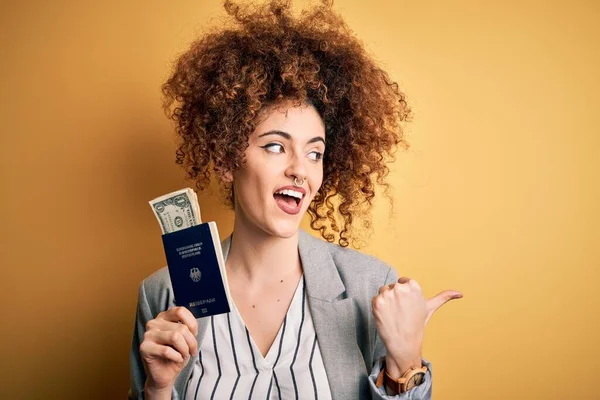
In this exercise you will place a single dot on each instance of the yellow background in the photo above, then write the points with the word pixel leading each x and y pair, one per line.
pixel 498 197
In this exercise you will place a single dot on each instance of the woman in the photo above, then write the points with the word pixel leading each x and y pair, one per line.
pixel 292 116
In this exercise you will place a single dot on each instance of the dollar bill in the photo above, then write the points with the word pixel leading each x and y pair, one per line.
pixel 177 210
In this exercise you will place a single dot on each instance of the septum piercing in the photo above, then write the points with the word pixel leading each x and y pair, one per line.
pixel 296 182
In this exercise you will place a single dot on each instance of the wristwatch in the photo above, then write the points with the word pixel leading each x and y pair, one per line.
pixel 409 380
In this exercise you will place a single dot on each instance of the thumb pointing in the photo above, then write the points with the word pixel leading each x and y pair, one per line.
pixel 434 303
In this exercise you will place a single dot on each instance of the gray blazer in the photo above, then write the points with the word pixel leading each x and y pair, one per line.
pixel 340 284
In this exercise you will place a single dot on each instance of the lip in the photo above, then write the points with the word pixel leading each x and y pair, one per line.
pixel 284 207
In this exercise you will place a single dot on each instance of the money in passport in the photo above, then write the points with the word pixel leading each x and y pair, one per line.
pixel 194 255
pixel 177 210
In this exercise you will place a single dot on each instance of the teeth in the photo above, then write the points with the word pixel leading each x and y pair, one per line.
pixel 289 192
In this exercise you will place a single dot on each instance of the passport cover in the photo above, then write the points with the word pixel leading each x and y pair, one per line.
pixel 193 256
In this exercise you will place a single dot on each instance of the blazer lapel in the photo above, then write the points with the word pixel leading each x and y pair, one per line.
pixel 334 319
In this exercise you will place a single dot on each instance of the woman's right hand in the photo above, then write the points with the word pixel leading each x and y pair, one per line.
pixel 169 341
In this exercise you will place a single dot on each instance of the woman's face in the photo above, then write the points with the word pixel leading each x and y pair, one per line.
pixel 288 143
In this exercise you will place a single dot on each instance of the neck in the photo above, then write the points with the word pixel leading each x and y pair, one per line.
pixel 257 256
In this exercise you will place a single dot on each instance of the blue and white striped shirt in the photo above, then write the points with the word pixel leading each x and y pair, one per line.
pixel 230 366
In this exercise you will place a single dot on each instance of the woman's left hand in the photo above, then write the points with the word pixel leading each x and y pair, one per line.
pixel 401 313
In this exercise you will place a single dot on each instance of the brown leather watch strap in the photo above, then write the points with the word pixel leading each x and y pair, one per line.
pixel 392 384
pixel 379 380
pixel 401 385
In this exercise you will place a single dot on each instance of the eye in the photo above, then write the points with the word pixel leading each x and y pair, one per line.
pixel 315 155
pixel 272 148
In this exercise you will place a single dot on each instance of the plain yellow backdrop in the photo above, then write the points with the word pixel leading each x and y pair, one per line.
pixel 499 195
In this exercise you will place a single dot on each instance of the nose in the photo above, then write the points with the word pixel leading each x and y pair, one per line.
pixel 296 167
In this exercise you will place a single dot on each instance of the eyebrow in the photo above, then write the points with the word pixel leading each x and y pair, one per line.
pixel 289 137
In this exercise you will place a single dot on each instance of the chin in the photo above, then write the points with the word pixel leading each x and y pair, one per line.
pixel 284 230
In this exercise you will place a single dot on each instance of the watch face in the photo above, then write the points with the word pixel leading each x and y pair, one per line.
pixel 415 380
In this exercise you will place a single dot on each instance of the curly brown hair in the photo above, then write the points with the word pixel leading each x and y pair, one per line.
pixel 222 83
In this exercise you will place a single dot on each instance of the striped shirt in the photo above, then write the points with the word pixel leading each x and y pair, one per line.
pixel 230 366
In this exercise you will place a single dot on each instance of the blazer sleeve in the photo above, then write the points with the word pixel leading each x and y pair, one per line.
pixel 421 392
